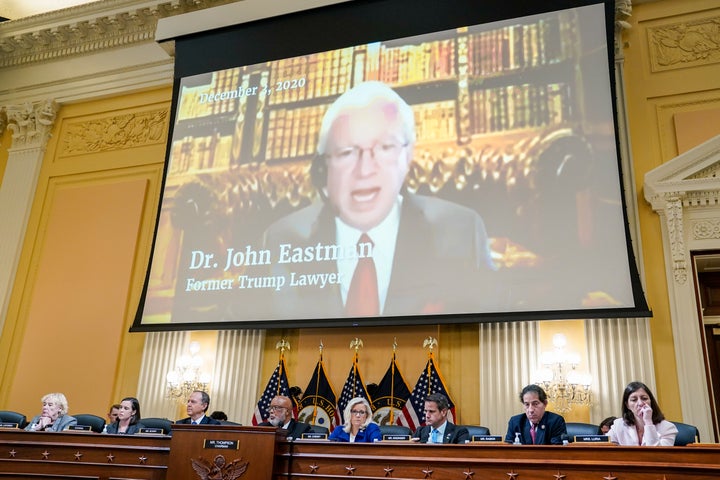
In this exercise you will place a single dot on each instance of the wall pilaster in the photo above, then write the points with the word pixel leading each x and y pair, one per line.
pixel 30 125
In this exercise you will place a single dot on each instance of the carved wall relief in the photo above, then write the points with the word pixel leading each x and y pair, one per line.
pixel 114 133
pixel 684 44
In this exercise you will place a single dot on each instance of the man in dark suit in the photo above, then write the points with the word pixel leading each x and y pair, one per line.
pixel 425 255
pixel 197 404
pixel 437 428
pixel 281 416
pixel 536 426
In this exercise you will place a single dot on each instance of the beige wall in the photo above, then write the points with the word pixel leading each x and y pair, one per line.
pixel 82 265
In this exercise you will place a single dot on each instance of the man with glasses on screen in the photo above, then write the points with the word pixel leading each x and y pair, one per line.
pixel 379 249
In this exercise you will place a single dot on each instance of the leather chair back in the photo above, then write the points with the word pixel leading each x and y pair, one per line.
pixel 577 428
pixel 394 430
pixel 686 434
pixel 154 422
pixel 13 417
pixel 96 424
pixel 474 430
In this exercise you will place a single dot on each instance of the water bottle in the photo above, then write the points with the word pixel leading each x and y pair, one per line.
pixel 517 439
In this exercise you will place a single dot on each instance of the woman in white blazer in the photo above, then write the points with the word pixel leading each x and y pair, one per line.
pixel 642 423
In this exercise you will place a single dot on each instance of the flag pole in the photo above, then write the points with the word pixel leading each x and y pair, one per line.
pixel 430 343
pixel 392 383
pixel 282 345
pixel 357 344
pixel 317 384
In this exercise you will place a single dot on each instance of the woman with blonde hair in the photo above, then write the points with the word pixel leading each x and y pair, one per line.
pixel 359 426
pixel 54 417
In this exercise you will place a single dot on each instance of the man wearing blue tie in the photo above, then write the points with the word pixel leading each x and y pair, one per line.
pixel 437 428
pixel 197 404
pixel 536 426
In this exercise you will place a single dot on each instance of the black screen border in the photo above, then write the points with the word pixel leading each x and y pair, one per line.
pixel 357 22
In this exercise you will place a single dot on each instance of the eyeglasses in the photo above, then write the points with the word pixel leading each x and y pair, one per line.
pixel 358 412
pixel 381 152
pixel 276 407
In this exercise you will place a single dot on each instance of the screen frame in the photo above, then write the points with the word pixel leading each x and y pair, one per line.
pixel 325 28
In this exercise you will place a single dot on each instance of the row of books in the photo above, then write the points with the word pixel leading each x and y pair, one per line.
pixel 520 106
pixel 549 40
pixel 292 132
pixel 417 63
pixel 435 121
pixel 314 76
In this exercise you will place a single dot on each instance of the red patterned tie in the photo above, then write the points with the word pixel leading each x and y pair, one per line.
pixel 532 432
pixel 362 298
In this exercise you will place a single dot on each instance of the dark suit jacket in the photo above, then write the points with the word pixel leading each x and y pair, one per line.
pixel 132 429
pixel 295 429
pixel 453 434
pixel 442 261
pixel 205 421
pixel 550 429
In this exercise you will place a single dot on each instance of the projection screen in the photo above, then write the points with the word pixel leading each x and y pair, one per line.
pixel 472 145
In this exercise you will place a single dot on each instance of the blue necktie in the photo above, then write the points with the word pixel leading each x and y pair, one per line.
pixel 435 436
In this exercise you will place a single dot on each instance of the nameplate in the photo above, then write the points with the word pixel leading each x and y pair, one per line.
pixel 591 438
pixel 8 425
pixel 314 436
pixel 151 431
pixel 486 438
pixel 79 428
pixel 222 444
pixel 396 437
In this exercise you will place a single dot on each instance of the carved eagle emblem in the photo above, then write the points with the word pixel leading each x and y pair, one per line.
pixel 219 469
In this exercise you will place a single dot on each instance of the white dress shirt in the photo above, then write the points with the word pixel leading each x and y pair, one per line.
pixel 384 237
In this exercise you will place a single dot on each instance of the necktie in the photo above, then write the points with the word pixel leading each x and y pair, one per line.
pixel 362 298
pixel 532 432
pixel 435 435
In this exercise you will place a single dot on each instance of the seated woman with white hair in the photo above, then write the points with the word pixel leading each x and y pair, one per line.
pixel 358 426
pixel 54 417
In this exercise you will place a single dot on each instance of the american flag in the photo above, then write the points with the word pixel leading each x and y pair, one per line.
pixel 430 381
pixel 317 406
pixel 277 385
pixel 354 387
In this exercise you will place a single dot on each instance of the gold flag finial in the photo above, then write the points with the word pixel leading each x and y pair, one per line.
pixel 282 345
pixel 357 344
pixel 394 344
pixel 430 342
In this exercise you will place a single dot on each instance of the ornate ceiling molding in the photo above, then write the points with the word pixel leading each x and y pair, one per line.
pixel 89 28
